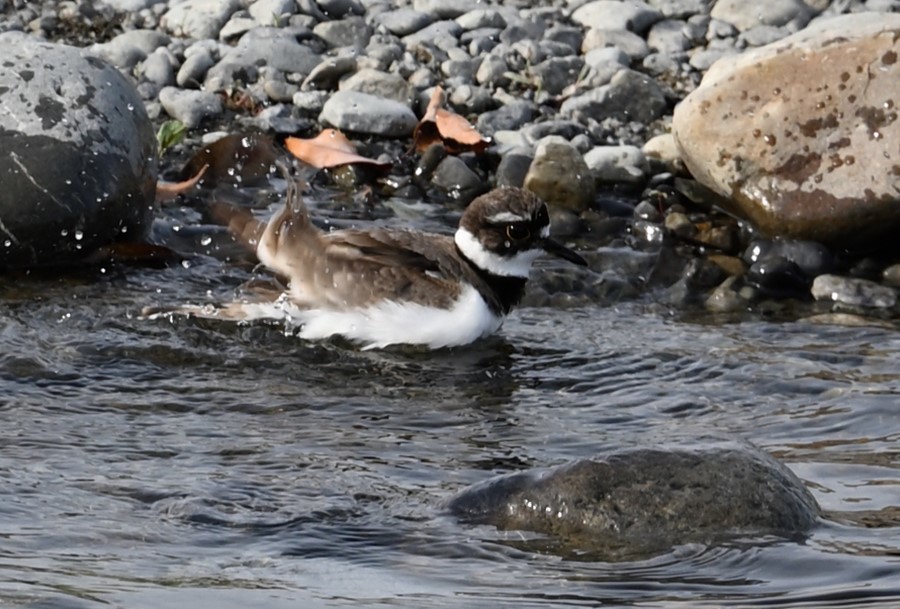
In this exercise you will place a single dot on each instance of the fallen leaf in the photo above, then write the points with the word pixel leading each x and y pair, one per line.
pixel 329 149
pixel 448 128
pixel 234 159
pixel 168 191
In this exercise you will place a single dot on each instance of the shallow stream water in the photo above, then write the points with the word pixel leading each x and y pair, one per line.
pixel 158 464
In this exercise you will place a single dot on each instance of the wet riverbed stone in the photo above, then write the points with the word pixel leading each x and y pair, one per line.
pixel 812 157
pixel 853 291
pixel 645 500
pixel 559 175
pixel 79 161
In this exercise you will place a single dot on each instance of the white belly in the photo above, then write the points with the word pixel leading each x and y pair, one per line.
pixel 392 322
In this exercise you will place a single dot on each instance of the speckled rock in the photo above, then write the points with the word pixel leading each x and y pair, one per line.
pixel 79 163
pixel 812 157
pixel 559 175
pixel 644 500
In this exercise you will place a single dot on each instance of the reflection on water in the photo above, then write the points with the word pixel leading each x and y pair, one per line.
pixel 156 464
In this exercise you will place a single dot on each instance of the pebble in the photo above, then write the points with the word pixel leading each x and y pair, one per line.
pixel 190 107
pixel 612 164
pixel 726 298
pixel 126 50
pixel 891 276
pixel 379 84
pixel 198 19
pixel 778 277
pixel 348 32
pixel 364 113
pixel 193 71
pixel 811 258
pixel 631 15
pixel 559 175
pixel 456 178
pixel 635 47
pixel 404 21
pixel 629 96
pixel 745 15
pixel 271 12
pixel 853 292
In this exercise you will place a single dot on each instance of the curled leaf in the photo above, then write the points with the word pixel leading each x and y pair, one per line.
pixel 448 128
pixel 168 191
pixel 329 149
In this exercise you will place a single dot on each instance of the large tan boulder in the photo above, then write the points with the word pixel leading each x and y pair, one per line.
pixel 802 135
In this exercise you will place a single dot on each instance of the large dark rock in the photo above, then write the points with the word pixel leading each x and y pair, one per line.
pixel 645 500
pixel 79 163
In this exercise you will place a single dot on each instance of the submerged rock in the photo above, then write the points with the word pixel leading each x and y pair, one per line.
pixel 645 500
pixel 79 160
pixel 813 157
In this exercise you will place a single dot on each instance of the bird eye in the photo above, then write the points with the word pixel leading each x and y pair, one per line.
pixel 517 232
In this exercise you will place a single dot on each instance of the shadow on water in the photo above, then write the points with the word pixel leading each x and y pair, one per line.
pixel 189 463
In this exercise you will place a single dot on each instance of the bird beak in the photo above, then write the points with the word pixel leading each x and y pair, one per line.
pixel 557 249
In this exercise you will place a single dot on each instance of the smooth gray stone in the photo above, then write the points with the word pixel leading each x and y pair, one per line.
pixel 433 32
pixel 445 9
pixel 745 15
pixel 363 113
pixel 630 96
pixel 190 107
pixel 338 9
pixel 159 67
pixel 273 47
pixel 557 73
pixel 379 84
pixel 194 69
pixel 129 48
pixel 404 21
pixel 198 19
pixel 853 291
pixel 348 32
pixel 630 15
pixel 271 12
pixel 481 18
pixel 79 162
pixel 507 117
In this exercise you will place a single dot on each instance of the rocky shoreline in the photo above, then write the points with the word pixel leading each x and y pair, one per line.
pixel 577 99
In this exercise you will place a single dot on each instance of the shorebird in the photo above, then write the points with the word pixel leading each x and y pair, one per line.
pixel 380 287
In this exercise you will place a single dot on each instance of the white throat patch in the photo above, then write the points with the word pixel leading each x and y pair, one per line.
pixel 513 266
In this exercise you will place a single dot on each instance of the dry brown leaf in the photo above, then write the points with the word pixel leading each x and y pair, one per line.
pixel 168 191
pixel 330 148
pixel 446 127
pixel 242 160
